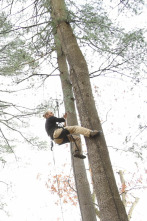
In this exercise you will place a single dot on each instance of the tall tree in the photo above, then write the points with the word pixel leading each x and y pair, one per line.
pixel 111 206
pixel 81 181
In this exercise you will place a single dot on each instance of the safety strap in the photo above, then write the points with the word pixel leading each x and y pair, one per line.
pixel 75 142
pixel 52 145
pixel 63 136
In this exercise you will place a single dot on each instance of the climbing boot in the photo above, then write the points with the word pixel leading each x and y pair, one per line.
pixel 79 155
pixel 94 133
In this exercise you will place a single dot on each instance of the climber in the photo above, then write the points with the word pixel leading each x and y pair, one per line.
pixel 64 134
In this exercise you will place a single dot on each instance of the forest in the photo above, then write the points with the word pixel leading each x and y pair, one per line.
pixel 87 59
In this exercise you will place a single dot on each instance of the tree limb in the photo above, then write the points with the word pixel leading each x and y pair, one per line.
pixel 132 207
pixel 123 187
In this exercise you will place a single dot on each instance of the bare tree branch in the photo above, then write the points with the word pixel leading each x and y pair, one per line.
pixel 132 208
pixel 106 116
pixel 123 187
pixel 6 140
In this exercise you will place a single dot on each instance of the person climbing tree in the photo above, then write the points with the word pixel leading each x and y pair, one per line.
pixel 64 134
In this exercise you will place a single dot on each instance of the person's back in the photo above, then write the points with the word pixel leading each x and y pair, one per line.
pixel 51 125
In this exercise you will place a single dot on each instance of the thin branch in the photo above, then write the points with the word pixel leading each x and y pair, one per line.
pixel 8 104
pixel 123 187
pixel 132 208
pixel 40 75
pixel 141 131
pixel 14 91
pixel 135 188
pixel 18 133
pixel 4 182
pixel 107 115
pixel 68 181
pixel 11 6
pixel 6 140
pixel 25 27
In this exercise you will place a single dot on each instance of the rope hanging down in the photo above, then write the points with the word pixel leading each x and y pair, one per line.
pixel 57 181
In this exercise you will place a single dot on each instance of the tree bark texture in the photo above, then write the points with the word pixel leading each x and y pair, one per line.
pixel 110 204
pixel 81 181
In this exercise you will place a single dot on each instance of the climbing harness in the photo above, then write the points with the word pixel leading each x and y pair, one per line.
pixel 74 142
pixel 64 135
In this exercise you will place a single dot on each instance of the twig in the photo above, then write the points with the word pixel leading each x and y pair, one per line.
pixel 107 116
pixel 132 208
pixel 6 140
pixel 123 187
pixel 68 181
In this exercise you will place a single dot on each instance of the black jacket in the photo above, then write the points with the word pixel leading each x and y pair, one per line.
pixel 51 125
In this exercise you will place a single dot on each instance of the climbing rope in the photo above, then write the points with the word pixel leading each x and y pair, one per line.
pixel 53 156
pixel 58 187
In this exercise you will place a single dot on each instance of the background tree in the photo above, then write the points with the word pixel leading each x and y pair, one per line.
pixel 81 181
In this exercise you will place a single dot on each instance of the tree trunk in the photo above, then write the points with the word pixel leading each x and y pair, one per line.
pixel 82 185
pixel 111 206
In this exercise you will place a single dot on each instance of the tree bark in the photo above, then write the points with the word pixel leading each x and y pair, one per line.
pixel 110 204
pixel 81 181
